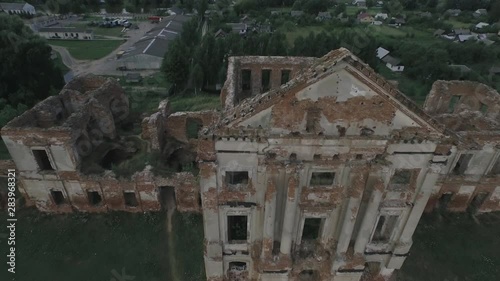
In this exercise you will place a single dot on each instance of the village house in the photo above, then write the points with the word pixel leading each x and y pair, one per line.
pixel 322 16
pixel 365 18
pixel 359 3
pixel 70 33
pixel 17 8
pixel 479 13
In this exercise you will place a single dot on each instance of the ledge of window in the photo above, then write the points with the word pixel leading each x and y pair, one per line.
pixel 398 187
pixel 236 245
pixel 237 187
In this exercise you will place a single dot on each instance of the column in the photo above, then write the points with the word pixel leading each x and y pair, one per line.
pixel 269 218
pixel 290 211
pixel 405 240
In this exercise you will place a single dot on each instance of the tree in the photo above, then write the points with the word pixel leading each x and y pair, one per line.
pixel 197 78
pixel 341 7
pixel 175 64
pixel 494 13
pixel 27 74
pixel 201 7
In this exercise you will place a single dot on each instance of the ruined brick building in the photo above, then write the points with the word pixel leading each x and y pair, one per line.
pixel 315 169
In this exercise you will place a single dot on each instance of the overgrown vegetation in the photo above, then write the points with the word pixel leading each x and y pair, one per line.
pixel 454 247
pixel 82 247
pixel 27 73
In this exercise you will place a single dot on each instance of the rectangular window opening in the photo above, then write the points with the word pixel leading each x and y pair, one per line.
pixel 239 178
pixel 384 229
pixel 94 198
pixel 237 229
pixel 312 228
pixel 401 179
pixel 478 201
pixel 462 164
pixel 444 200
pixel 322 178
pixel 58 197
pixel 453 103
pixel 42 159
pixel 266 80
pixel 237 266
pixel 246 79
pixel 309 275
pixel 285 76
pixel 130 199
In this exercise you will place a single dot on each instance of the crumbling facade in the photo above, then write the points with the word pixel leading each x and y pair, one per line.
pixel 316 169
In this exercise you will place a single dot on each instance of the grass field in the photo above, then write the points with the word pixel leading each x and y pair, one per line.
pixel 454 247
pixel 88 50
pixel 83 247
pixel 201 101
pixel 301 31
pixel 457 24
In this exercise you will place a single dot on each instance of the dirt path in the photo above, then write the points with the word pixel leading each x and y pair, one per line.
pixel 171 257
pixel 66 57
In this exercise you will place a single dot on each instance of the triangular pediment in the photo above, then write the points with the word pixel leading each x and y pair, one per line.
pixel 338 96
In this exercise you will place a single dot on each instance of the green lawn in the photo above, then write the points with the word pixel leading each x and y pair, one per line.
pixel 88 50
pixel 190 102
pixel 301 31
pixel 458 24
pixel 454 247
pixel 83 247
pixel 354 10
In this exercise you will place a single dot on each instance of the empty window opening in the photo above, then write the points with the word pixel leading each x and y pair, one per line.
pixel 453 103
pixel 238 266
pixel 94 198
pixel 313 118
pixel 477 202
pixel 237 229
pixel 42 159
pixel 193 126
pixel 166 196
pixel 293 157
pixel 308 275
pixel 285 76
pixel 462 164
pixel 495 170
pixel 317 157
pixel 58 197
pixel 312 228
pixel 359 156
pixel 322 178
pixel 266 80
pixel 444 200
pixel 400 179
pixel 483 108
pixel 237 178
pixel 246 79
pixel 130 199
pixel 384 229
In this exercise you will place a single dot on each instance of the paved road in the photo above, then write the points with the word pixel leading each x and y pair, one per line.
pixel 106 65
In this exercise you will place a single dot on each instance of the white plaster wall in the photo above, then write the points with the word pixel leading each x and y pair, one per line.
pixel 21 155
pixel 62 159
